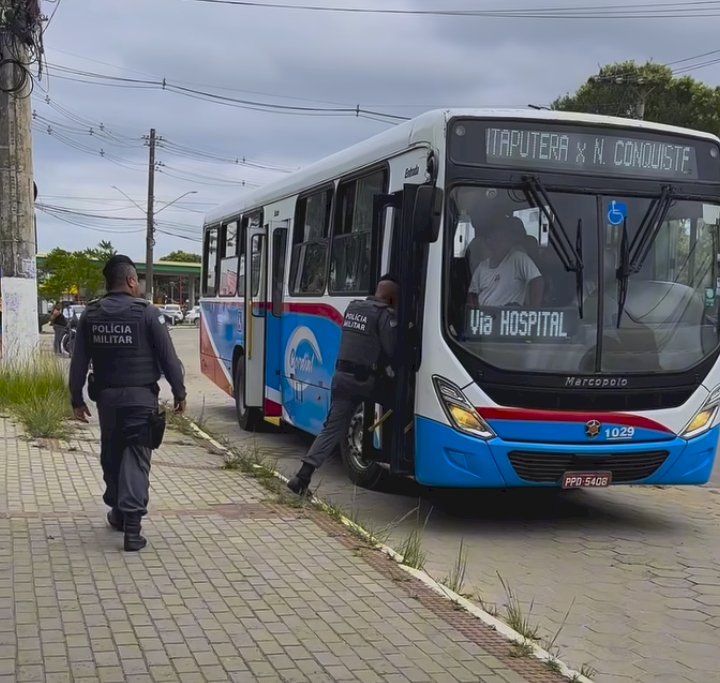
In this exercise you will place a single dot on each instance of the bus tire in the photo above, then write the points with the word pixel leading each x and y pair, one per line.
pixel 248 418
pixel 361 472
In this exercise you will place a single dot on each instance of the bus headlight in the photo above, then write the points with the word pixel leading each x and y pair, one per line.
pixel 460 411
pixel 704 419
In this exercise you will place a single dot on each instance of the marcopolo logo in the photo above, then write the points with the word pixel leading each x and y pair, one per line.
pixel 596 382
pixel 302 354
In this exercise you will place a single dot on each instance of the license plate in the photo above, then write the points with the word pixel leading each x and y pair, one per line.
pixel 581 480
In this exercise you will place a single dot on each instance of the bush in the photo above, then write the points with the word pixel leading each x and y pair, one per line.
pixel 36 393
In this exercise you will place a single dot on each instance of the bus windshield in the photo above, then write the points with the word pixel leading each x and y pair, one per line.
pixel 542 282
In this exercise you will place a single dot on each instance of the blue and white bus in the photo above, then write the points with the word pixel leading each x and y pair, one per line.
pixel 558 322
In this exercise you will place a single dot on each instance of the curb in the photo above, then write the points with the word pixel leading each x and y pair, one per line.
pixel 422 576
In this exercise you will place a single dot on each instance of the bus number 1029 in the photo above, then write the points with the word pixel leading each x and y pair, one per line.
pixel 618 433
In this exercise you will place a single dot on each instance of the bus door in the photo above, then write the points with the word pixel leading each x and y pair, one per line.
pixel 389 431
pixel 278 238
pixel 255 310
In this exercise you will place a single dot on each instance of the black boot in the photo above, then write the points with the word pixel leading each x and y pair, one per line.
pixel 301 481
pixel 115 519
pixel 133 540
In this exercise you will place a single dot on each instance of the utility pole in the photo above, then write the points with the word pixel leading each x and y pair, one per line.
pixel 19 29
pixel 150 236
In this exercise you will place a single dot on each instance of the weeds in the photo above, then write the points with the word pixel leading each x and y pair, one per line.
pixel 514 614
pixel 521 650
pixel 35 392
pixel 588 671
pixel 550 645
pixel 490 608
pixel 554 665
pixel 456 579
pixel 411 548
pixel 184 425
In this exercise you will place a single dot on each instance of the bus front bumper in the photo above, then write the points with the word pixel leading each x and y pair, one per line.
pixel 445 457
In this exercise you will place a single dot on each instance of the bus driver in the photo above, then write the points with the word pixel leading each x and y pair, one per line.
pixel 508 276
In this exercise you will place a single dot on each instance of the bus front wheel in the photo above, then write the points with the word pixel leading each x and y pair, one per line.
pixel 361 472
pixel 248 418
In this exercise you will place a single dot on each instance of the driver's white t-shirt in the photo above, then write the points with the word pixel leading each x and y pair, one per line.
pixel 507 283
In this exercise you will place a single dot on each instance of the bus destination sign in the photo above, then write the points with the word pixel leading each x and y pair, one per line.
pixel 562 147
pixel 591 152
pixel 513 324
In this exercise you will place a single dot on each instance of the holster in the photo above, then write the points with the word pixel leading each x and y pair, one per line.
pixel 92 388
pixel 157 429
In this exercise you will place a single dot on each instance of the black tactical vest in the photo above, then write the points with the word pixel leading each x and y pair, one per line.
pixel 360 347
pixel 119 345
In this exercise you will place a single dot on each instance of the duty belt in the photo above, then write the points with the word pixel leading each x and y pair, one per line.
pixel 361 372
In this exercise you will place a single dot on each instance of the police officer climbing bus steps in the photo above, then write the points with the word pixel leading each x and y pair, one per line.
pixel 127 341
pixel 362 372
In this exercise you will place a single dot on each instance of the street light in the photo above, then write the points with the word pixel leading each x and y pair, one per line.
pixel 151 235
pixel 175 201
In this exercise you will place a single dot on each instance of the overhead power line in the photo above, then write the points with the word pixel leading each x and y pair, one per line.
pixel 667 10
pixel 110 80
pixel 116 225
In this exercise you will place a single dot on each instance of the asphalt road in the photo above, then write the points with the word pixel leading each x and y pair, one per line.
pixel 628 576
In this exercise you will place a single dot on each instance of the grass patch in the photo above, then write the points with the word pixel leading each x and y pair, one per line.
pixel 35 393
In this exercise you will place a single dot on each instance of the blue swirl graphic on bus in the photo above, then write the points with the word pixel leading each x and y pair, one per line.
pixel 307 371
pixel 302 356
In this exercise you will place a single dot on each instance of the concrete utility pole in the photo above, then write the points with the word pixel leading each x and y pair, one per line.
pixel 150 236
pixel 19 27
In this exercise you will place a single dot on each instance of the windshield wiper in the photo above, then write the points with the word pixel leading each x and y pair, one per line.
pixel 579 272
pixel 623 272
pixel 570 256
pixel 633 255
pixel 649 229
pixel 537 196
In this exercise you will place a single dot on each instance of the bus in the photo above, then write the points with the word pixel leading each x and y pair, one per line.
pixel 558 319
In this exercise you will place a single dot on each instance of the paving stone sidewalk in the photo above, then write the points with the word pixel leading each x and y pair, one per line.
pixel 231 587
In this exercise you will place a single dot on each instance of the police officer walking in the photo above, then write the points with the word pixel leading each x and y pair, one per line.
pixel 128 343
pixel 367 348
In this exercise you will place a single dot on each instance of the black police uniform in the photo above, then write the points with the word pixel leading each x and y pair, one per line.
pixel 128 343
pixel 361 372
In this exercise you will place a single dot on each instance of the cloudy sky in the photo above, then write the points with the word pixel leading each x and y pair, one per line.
pixel 98 100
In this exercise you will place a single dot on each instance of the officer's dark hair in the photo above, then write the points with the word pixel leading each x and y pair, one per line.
pixel 388 277
pixel 117 275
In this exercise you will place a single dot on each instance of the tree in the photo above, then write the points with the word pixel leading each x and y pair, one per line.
pixel 182 257
pixel 648 91
pixel 71 273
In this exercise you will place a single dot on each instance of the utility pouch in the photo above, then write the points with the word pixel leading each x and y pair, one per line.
pixel 157 429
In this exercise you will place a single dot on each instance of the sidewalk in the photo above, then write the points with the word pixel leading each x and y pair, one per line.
pixel 230 588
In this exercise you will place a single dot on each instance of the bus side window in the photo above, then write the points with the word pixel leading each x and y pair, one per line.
pixel 210 261
pixel 229 263
pixel 310 243
pixel 352 236
pixel 279 246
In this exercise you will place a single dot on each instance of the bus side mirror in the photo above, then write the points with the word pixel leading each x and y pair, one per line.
pixel 426 214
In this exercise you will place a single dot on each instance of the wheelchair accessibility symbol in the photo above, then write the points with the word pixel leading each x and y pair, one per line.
pixel 617 213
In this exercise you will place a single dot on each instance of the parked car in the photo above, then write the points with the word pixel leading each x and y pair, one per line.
pixel 193 316
pixel 173 313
